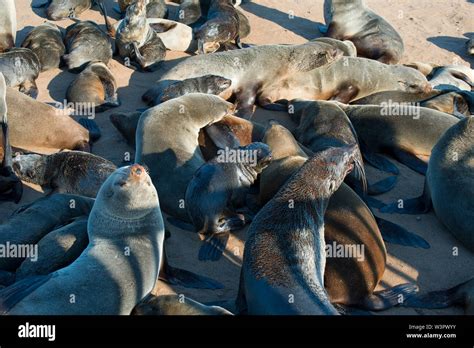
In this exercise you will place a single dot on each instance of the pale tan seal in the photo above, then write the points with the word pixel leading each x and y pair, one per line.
pixel 7 25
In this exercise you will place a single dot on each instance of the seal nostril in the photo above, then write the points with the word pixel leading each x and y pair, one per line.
pixel 138 171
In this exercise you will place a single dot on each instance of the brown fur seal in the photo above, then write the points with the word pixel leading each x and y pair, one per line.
pixel 346 46
pixel 122 261
pixel 46 41
pixel 28 224
pixel 21 67
pixel 7 25
pixel 221 26
pixel 243 67
pixel 57 249
pixel 348 221
pixel 60 9
pixel 71 172
pixel 137 43
pixel 189 11
pixel 33 124
pixel 406 132
pixel 176 305
pixel 94 86
pixel 445 77
pixel 373 36
pixel 449 183
pixel 345 80
pixel 284 257
pixel 219 189
pixel 178 123
pixel 10 185
pixel 86 42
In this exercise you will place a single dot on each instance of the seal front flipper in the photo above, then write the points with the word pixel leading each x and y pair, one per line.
pixel 213 247
pixel 323 29
pixel 16 292
pixel 92 127
pixel 385 299
pixel 411 161
pixel 396 234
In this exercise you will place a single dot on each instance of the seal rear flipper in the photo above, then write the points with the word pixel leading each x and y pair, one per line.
pixel 12 295
pixel 411 161
pixel 438 299
pixel 382 186
pixel 385 299
pixel 213 247
pixel 186 226
pixel 396 234
pixel 181 277
pixel 92 127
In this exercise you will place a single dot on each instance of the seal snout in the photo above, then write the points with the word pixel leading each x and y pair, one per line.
pixel 137 172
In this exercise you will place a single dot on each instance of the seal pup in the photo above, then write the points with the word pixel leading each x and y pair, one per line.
pixel 60 9
pixel 292 282
pixel 73 172
pixel 373 36
pixel 86 42
pixel 347 79
pixel 122 261
pixel 7 25
pixel 219 189
pixel 33 124
pixel 21 67
pixel 11 187
pixel 57 249
pixel 137 41
pixel 178 123
pixel 209 84
pixel 28 224
pixel 240 66
pixel 46 41
pixel 175 305
pixel 221 26
pixel 445 77
pixel 408 134
pixel 95 86
pixel 449 185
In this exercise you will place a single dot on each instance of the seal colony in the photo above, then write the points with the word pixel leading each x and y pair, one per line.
pixel 203 153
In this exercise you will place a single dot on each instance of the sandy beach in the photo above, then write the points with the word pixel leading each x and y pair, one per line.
pixel 433 31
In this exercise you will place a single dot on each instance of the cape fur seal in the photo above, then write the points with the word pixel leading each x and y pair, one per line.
pixel 10 185
pixel 240 66
pixel 21 67
pixel 38 125
pixel 176 305
pixel 449 185
pixel 122 260
pixel 407 133
pixel 137 43
pixel 94 86
pixel 154 8
pixel 73 172
pixel 219 189
pixel 178 123
pixel 60 9
pixel 28 224
pixel 46 41
pixel 86 42
pixel 445 77
pixel 7 25
pixel 284 258
pixel 221 26
pixel 349 281
pixel 470 46
pixel 373 36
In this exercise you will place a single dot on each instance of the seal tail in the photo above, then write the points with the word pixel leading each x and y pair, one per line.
pixel 385 299
pixel 396 234
pixel 92 127
pixel 438 299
